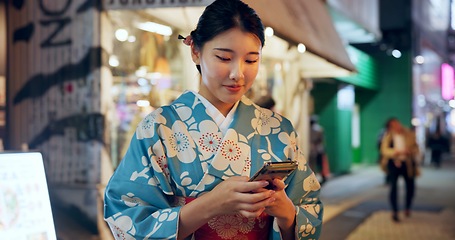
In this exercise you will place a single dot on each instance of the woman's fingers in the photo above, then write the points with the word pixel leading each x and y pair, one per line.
pixel 254 198
pixel 278 184
pixel 249 214
pixel 254 210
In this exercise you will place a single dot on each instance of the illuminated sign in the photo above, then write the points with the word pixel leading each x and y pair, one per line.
pixel 447 81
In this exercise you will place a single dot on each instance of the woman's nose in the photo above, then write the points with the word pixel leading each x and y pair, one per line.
pixel 237 71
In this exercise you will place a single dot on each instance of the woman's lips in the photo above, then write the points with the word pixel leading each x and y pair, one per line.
pixel 233 88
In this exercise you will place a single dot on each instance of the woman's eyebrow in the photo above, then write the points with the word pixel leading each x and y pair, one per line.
pixel 232 51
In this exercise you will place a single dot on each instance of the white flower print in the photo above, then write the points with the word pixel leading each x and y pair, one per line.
pixel 302 162
pixel 178 142
pixel 233 154
pixel 152 182
pixel 209 142
pixel 184 112
pixel 185 180
pixel 230 150
pixel 226 226
pixel 247 101
pixel 264 122
pixel 313 209
pixel 311 183
pixel 165 215
pixel 146 127
pixel 131 201
pixel 264 155
pixel 290 140
pixel 162 216
pixel 121 225
pixel 307 229
pixel 159 160
pixel 247 167
pixel 142 174
pixel 207 137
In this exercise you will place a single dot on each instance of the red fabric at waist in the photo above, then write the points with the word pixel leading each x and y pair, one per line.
pixel 234 227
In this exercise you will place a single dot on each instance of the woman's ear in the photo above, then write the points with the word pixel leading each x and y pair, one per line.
pixel 195 54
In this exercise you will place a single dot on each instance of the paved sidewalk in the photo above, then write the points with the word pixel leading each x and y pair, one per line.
pixel 356 206
pixel 421 225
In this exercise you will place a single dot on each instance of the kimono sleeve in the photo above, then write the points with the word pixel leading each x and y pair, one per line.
pixel 303 188
pixel 138 198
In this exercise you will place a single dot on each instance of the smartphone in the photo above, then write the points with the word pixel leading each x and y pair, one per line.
pixel 272 170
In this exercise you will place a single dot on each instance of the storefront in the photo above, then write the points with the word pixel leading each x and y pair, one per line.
pixel 433 79
pixel 80 76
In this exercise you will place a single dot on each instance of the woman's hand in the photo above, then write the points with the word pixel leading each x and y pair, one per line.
pixel 238 195
pixel 283 209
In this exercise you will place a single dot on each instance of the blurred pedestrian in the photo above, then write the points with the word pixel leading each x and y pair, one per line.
pixel 379 138
pixel 317 151
pixel 399 150
pixel 438 144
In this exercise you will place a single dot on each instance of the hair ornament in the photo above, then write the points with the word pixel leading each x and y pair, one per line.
pixel 188 40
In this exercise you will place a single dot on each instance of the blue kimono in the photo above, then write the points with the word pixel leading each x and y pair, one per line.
pixel 178 151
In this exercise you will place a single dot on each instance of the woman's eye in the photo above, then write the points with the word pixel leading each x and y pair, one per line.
pixel 223 58
pixel 251 61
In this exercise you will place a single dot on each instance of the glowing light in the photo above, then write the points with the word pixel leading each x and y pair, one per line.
pixel 415 122
pixel 269 31
pixel 447 81
pixel 121 34
pixel 452 117
pixel 113 61
pixel 143 103
pixel 452 103
pixel 419 59
pixel 141 71
pixel 346 98
pixel 155 28
pixel 142 81
pixel 131 39
pixel 396 53
pixel 301 48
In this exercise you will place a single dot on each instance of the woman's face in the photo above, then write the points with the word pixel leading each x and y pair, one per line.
pixel 229 65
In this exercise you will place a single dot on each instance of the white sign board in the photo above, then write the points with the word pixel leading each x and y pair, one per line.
pixel 141 4
pixel 25 209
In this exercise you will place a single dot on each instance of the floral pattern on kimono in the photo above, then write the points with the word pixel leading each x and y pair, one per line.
pixel 178 151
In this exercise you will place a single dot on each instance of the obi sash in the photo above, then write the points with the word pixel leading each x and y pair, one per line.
pixel 234 227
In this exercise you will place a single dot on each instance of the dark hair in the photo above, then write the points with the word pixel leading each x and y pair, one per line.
pixel 223 15
pixel 266 102
pixel 389 122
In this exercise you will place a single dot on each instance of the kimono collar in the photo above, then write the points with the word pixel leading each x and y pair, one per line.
pixel 220 120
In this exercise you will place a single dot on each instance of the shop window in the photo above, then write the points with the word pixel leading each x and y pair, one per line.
pixel 147 72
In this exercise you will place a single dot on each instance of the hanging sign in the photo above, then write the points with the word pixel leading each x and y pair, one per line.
pixel 141 4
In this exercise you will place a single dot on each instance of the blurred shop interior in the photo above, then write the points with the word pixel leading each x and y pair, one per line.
pixel 151 67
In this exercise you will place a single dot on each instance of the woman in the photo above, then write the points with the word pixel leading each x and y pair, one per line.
pixel 186 172
pixel 398 150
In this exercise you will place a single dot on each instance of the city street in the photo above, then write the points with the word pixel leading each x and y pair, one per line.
pixel 356 206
